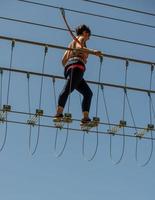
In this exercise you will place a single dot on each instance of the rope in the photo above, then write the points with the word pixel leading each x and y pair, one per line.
pixel 40 102
pixel 9 79
pixel 106 107
pixel 29 108
pixel 150 111
pixel 59 154
pixel 8 91
pixel 1 87
pixel 97 140
pixel 123 117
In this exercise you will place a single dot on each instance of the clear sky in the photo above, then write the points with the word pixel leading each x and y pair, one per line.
pixel 72 177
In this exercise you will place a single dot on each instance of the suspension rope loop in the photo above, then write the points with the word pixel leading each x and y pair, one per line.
pixel 98 86
pixel 56 153
pixel 106 107
pixel 1 88
pixel 7 108
pixel 122 123
pixel 28 90
pixel 29 108
pixel 67 130
pixel 1 97
pixel 39 112
pixel 97 134
pixel 9 79
pixel 59 154
pixel 152 105
pixel 54 92
pixel 150 126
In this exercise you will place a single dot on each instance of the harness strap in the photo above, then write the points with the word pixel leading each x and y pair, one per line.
pixel 76 66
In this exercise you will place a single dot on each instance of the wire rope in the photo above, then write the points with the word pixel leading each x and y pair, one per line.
pixel 1 87
pixel 84 134
pixel 149 129
pixel 40 102
pixel 29 108
pixel 121 126
pixel 8 92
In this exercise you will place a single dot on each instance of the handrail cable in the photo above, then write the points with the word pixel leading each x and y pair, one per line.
pixel 66 48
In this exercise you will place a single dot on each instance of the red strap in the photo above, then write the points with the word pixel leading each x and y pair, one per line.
pixel 76 65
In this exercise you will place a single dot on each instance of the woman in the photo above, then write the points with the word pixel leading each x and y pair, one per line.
pixel 74 67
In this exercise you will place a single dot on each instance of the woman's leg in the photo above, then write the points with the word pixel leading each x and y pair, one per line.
pixel 75 77
pixel 85 90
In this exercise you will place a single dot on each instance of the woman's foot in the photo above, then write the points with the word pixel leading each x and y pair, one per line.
pixel 58 117
pixel 85 120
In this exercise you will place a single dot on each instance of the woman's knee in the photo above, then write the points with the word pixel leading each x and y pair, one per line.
pixel 89 93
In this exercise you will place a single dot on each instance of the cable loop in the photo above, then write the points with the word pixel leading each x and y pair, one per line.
pixel 149 128
pixel 97 99
pixel 5 112
pixel 39 112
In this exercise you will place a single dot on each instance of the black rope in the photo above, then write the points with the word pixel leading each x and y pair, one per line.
pixel 29 108
pixel 59 154
pixel 40 99
pixel 1 88
pixel 123 117
pixel 54 92
pixel 148 129
pixel 106 107
pixel 84 134
pixel 7 100
pixel 9 79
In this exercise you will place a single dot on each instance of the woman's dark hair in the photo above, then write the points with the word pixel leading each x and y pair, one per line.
pixel 80 29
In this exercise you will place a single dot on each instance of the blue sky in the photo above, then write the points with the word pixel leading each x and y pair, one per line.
pixel 43 176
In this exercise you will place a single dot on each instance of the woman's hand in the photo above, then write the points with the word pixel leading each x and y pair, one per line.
pixel 98 53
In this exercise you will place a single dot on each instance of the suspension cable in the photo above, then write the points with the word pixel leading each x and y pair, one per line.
pixel 59 154
pixel 84 134
pixel 106 107
pixel 123 122
pixel 40 100
pixel 150 126
pixel 8 92
pixel 1 95
pixel 29 108
pixel 1 88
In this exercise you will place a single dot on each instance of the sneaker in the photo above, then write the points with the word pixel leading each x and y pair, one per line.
pixel 58 117
pixel 85 120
